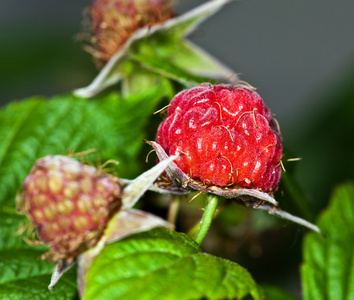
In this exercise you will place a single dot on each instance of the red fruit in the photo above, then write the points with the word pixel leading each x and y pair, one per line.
pixel 114 21
pixel 69 202
pixel 227 137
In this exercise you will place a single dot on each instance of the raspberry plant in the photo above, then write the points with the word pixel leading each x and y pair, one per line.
pixel 100 216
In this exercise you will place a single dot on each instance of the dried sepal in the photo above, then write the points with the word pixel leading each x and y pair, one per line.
pixel 248 197
pixel 272 210
pixel 61 267
pixel 130 221
pixel 141 184
pixel 185 183
pixel 162 186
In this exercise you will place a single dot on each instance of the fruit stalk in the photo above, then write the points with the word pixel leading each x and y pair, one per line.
pixel 208 216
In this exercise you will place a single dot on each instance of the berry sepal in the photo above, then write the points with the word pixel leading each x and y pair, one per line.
pixel 248 197
pixel 187 184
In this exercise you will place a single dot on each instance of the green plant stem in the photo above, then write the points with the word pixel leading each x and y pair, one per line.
pixel 208 216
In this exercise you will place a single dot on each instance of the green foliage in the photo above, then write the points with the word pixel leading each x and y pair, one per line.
pixel 35 285
pixel 23 275
pixel 328 269
pixel 162 264
pixel 9 225
pixel 165 68
pixel 275 293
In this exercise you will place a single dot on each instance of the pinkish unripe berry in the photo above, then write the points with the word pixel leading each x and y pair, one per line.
pixel 225 135
pixel 112 22
pixel 69 202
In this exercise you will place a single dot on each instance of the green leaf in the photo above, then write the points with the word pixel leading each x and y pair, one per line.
pixel 276 293
pixel 23 275
pixel 35 286
pixel 36 127
pixel 9 225
pixel 328 268
pixel 165 68
pixel 188 56
pixel 141 79
pixel 162 264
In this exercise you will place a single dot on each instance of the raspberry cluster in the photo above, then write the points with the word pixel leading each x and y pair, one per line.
pixel 225 135
pixel 69 202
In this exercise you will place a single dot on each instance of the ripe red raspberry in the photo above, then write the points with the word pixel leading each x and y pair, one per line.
pixel 114 21
pixel 69 202
pixel 227 136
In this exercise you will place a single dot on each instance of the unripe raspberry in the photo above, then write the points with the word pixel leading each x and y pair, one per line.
pixel 226 136
pixel 114 21
pixel 69 202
